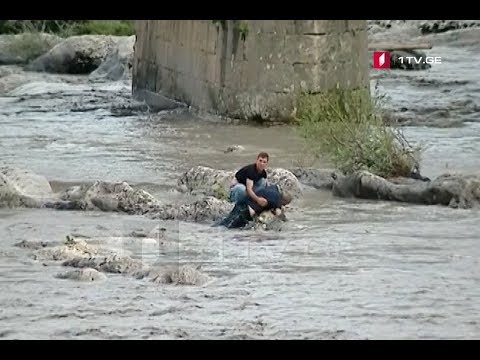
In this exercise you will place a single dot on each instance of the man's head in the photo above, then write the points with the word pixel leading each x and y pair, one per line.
pixel 262 161
pixel 286 198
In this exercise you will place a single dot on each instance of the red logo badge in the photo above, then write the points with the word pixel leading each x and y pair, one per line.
pixel 381 60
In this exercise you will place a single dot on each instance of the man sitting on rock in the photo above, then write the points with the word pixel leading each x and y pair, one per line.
pixel 244 212
pixel 249 180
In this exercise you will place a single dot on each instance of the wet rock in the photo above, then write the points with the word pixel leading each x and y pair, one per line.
pixel 183 275
pixel 458 191
pixel 118 197
pixel 111 263
pixel 386 30
pixel 211 182
pixel 234 148
pixel 203 210
pixel 317 178
pixel 118 64
pixel 71 249
pixel 376 25
pixel 286 180
pixel 22 188
pixel 21 48
pixel 269 221
pixel 439 26
pixel 76 55
pixel 123 198
pixel 106 196
pixel 86 275
pixel 129 107
pixel 137 234
pixel 214 182
pixel 77 252
pixel 92 261
pixel 33 245
pixel 422 27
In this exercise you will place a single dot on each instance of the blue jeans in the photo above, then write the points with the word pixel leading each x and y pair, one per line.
pixel 238 192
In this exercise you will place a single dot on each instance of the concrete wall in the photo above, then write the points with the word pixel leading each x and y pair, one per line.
pixel 210 66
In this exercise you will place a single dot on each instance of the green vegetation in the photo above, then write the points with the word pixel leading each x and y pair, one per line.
pixel 243 29
pixel 347 127
pixel 30 45
pixel 240 25
pixel 106 27
pixel 31 40
pixel 219 191
pixel 65 28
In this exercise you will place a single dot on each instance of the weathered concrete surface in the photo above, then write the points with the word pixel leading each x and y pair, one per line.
pixel 218 68
pixel 457 191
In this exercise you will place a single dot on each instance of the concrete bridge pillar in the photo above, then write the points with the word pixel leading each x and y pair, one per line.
pixel 247 68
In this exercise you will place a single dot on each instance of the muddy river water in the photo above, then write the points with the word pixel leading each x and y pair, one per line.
pixel 340 269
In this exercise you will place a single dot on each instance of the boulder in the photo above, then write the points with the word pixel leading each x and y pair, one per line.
pixel 72 248
pixel 23 188
pixel 85 275
pixel 214 182
pixel 458 191
pixel 317 178
pixel 118 64
pixel 93 261
pixel 183 275
pixel 105 196
pixel 122 197
pixel 286 180
pixel 76 55
pixel 206 209
pixel 211 182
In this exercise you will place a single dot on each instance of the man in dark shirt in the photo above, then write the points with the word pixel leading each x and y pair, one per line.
pixel 249 180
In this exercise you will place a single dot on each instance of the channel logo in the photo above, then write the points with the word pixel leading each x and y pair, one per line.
pixel 381 60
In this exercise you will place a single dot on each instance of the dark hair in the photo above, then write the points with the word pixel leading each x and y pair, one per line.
pixel 286 198
pixel 263 155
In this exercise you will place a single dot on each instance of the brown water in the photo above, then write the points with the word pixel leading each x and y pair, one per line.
pixel 339 269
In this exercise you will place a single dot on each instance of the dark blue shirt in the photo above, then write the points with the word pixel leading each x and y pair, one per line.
pixel 272 194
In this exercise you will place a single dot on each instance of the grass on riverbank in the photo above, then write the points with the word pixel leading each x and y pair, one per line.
pixel 36 37
pixel 66 28
pixel 347 127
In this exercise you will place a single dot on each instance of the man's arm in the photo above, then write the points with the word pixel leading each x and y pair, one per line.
pixel 251 194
